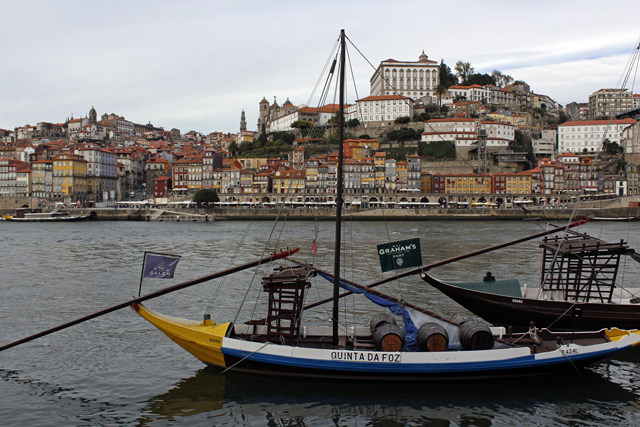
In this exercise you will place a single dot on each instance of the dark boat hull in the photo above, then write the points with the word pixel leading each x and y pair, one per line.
pixel 558 315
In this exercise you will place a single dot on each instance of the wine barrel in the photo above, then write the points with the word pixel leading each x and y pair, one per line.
pixel 380 319
pixel 432 337
pixel 475 335
pixel 461 318
pixel 388 337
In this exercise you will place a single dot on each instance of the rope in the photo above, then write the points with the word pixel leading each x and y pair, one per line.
pixel 244 358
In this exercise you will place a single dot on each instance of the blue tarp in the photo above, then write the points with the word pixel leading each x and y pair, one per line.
pixel 409 329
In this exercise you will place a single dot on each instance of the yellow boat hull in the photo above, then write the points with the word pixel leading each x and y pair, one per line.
pixel 203 340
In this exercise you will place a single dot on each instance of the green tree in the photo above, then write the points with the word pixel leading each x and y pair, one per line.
pixel 353 123
pixel 206 195
pixel 233 148
pixel 302 124
pixel 403 134
pixel 364 136
pixel 402 120
pixel 463 70
pixel 447 78
pixel 440 90
pixel 479 79
pixel 562 117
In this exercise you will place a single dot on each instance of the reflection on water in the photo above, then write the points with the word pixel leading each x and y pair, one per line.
pixel 232 399
pixel 119 370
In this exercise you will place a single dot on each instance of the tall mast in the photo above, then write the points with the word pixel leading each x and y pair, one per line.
pixel 336 266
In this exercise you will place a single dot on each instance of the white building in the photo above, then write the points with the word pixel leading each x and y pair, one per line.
pixel 576 137
pixel 413 79
pixel 378 111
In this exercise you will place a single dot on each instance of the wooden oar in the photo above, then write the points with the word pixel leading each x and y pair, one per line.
pixel 154 294
pixel 424 268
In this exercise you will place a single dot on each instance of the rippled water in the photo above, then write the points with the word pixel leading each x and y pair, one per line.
pixel 119 370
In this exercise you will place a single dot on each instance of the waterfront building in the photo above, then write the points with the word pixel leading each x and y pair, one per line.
pixel 161 187
pixel 102 173
pixel 413 172
pixel 311 169
pixel 402 176
pixel 368 176
pixel 390 176
pixel 468 183
pixel 609 102
pixel 42 178
pixel 263 182
pixel 23 182
pixel 518 183
pixel 631 172
pixel 352 176
pixel 414 79
pixel 425 182
pixel 246 182
pixel 70 176
pixel 379 166
pixel 289 181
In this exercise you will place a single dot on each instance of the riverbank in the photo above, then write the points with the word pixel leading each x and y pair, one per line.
pixel 355 214
pixel 327 214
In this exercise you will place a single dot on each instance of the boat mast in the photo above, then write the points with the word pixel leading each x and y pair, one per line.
pixel 336 265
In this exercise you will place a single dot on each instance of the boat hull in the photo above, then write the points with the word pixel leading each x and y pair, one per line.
pixel 211 345
pixel 503 310
pixel 51 219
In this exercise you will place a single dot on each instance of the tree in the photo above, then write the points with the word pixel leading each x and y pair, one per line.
pixel 302 124
pixel 464 70
pixel 447 78
pixel 440 90
pixel 233 148
pixel 479 79
pixel 611 147
pixel 518 82
pixel 353 123
pixel 402 120
pixel 206 195
pixel 562 117
pixel 502 80
pixel 403 134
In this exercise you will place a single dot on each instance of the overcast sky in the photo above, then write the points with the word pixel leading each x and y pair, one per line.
pixel 195 65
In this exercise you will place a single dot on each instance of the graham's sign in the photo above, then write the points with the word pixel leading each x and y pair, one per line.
pixel 400 254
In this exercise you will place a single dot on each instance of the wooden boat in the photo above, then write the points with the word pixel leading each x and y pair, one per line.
pixel 427 347
pixel 578 290
pixel 36 215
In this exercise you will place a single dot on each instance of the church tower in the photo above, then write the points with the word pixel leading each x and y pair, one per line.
pixel 93 116
pixel 243 122
pixel 263 115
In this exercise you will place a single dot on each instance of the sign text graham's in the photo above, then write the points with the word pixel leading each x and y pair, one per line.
pixel 400 254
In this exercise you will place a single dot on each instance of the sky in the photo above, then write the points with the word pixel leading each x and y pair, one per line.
pixel 195 65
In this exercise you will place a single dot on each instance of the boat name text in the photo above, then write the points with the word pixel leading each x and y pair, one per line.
pixel 517 301
pixel 359 356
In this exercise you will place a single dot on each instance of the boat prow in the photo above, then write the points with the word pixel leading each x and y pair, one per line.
pixel 202 339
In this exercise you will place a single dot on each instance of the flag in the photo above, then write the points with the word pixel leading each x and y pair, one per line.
pixel 159 266
pixel 314 246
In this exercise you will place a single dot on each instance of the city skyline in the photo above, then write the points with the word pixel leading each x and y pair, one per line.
pixel 196 65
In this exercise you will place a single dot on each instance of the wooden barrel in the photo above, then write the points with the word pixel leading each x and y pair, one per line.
pixel 461 318
pixel 432 337
pixel 475 335
pixel 380 319
pixel 388 337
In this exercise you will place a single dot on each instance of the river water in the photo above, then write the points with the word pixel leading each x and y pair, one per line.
pixel 120 370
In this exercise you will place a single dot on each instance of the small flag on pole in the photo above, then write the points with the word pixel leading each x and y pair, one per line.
pixel 314 246
pixel 159 266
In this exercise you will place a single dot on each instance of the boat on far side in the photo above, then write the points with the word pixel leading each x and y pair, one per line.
pixel 36 215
